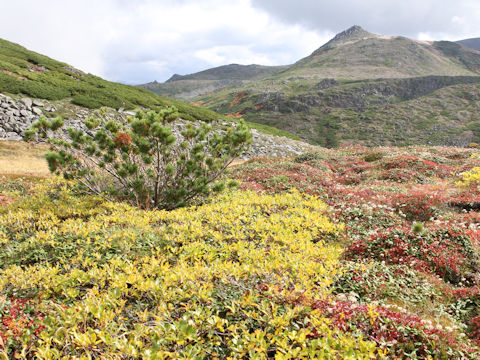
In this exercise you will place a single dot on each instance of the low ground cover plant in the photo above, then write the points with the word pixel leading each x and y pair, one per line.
pixel 296 263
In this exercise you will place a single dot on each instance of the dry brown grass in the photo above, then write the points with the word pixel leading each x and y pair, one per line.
pixel 18 158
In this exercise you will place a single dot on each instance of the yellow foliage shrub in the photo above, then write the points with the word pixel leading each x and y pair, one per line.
pixel 471 177
pixel 198 282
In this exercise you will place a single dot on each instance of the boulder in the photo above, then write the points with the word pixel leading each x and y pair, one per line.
pixel 27 102
pixel 37 111
pixel 12 136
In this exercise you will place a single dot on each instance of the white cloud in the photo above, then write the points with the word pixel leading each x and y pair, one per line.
pixel 142 40
pixel 145 40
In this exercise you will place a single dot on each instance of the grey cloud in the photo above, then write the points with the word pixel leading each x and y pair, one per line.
pixel 407 17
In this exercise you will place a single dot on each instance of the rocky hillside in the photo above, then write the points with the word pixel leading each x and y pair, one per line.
pixel 24 73
pixel 356 54
pixel 365 88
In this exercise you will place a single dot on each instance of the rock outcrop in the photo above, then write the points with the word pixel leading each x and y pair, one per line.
pixel 17 115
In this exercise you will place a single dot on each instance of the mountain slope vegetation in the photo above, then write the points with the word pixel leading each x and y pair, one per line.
pixel 355 253
pixel 25 72
pixel 364 88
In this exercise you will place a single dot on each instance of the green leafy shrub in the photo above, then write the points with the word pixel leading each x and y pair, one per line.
pixel 11 84
pixel 85 101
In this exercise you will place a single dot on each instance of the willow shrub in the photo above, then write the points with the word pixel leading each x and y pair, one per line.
pixel 141 160
pixel 110 281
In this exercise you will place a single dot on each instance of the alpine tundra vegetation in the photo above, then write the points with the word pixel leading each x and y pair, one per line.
pixel 354 253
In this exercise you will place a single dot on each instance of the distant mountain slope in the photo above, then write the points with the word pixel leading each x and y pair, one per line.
pixel 364 88
pixel 188 86
pixel 473 43
pixel 231 72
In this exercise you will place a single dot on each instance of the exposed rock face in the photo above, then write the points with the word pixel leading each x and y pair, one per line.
pixel 270 145
pixel 17 115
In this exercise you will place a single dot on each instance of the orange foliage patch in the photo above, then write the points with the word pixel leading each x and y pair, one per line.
pixel 236 115
pixel 238 98
pixel 13 74
pixel 197 103
pixel 123 139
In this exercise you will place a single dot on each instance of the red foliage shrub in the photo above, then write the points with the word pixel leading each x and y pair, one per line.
pixel 447 252
pixel 18 318
pixel 420 206
pixel 426 167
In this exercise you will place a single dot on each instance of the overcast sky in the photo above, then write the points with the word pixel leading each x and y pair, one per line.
pixel 140 41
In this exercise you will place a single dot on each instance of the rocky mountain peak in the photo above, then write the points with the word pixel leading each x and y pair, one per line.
pixel 174 77
pixel 353 33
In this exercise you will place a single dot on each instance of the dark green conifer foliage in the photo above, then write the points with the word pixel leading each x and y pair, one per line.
pixel 141 160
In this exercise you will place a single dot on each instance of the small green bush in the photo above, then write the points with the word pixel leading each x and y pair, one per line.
pixel 86 101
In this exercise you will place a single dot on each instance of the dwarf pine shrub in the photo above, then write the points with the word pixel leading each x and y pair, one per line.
pixel 141 160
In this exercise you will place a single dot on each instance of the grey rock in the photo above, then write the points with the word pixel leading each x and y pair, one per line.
pixel 37 102
pixel 37 111
pixel 12 136
pixel 27 102
pixel 24 113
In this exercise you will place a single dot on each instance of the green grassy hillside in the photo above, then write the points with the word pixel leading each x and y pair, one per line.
pixel 27 73
pixel 231 72
pixel 427 110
